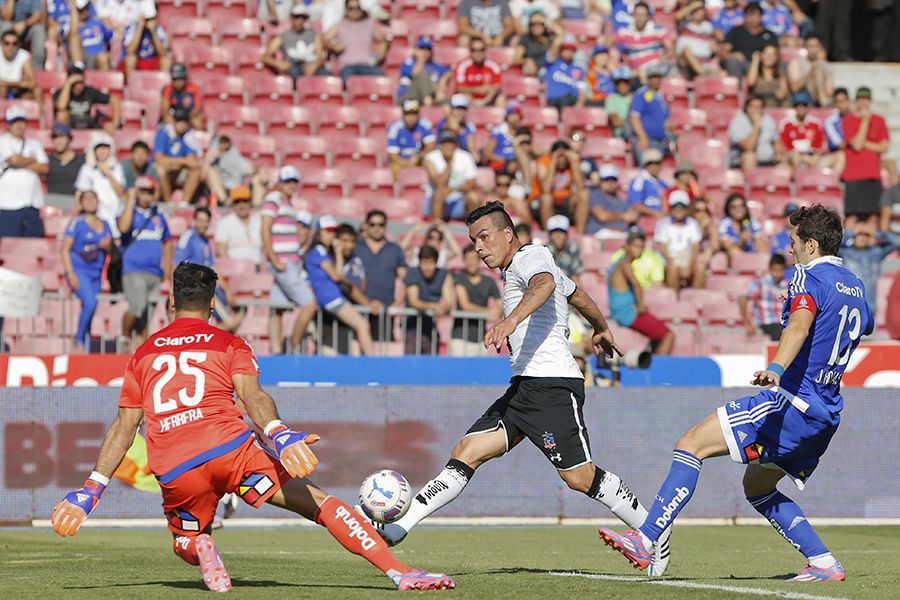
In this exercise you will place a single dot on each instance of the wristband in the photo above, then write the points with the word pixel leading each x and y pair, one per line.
pixel 99 478
pixel 776 368
pixel 273 426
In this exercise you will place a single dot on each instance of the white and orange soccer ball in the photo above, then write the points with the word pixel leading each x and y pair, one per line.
pixel 384 496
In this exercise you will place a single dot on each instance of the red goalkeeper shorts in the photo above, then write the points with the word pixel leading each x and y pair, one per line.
pixel 190 500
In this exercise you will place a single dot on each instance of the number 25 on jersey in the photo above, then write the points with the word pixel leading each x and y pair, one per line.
pixel 170 366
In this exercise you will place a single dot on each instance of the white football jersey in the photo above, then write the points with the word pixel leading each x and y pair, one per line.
pixel 539 347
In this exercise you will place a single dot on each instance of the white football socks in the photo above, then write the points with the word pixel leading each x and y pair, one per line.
pixel 610 491
pixel 823 561
pixel 437 493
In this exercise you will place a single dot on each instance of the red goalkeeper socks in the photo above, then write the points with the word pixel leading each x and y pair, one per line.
pixel 186 548
pixel 356 535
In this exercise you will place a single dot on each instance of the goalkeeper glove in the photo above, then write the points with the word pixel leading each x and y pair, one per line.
pixel 69 514
pixel 293 448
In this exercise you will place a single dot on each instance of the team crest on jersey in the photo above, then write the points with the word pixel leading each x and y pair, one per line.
pixel 254 486
pixel 549 441
pixel 754 451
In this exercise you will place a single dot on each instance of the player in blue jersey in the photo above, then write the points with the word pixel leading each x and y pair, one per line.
pixel 784 429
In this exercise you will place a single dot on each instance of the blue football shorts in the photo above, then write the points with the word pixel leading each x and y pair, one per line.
pixel 771 428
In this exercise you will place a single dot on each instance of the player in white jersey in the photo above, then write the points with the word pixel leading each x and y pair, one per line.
pixel 546 394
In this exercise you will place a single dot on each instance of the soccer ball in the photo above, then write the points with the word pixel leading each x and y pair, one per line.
pixel 384 496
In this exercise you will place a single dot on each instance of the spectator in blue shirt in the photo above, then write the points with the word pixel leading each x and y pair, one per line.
pixel 26 18
pixel 58 19
pixel 84 248
pixel 730 15
pixel 781 242
pixel 325 268
pixel 777 18
pixel 195 247
pixel 622 12
pixel 146 257
pixel 610 214
pixel 175 150
pixel 456 123
pixel 421 78
pixel 645 193
pixel 563 78
pixel 738 231
pixel 409 139
pixel 90 38
pixel 145 46
pixel 649 118
pixel 501 145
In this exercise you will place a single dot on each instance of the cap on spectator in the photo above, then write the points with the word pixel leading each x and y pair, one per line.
pixel 685 166
pixel 622 73
pixel 753 6
pixel 600 49
pixel 15 113
pixel 790 208
pixel 76 68
pixel 288 173
pixel 651 156
pixel 569 42
pixel 240 193
pixel 327 223
pixel 178 71
pixel 304 217
pixel 299 10
pixel 61 129
pixel 447 136
pixel 180 114
pixel 609 172
pixel 410 106
pixel 513 107
pixel 679 198
pixel 801 97
pixel 864 92
pixel 657 70
pixel 558 223
pixel 145 182
pixel 82 4
pixel 424 42
pixel 459 101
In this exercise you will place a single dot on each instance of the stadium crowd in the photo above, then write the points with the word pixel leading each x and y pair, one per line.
pixel 655 147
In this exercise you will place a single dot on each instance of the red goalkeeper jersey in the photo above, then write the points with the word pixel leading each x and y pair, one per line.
pixel 182 378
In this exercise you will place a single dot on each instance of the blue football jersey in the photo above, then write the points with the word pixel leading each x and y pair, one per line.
pixel 837 298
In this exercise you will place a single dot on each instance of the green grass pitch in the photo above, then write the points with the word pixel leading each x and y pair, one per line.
pixel 488 562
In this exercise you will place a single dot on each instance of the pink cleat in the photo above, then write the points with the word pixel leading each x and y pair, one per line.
pixel 417 579
pixel 211 566
pixel 835 572
pixel 630 545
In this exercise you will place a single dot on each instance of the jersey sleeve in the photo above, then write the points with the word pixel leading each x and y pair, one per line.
pixel 242 359
pixel 130 396
pixel 568 286
pixel 800 294
pixel 534 263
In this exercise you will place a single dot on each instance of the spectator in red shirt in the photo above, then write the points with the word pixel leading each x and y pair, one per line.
pixel 802 136
pixel 867 139
pixel 479 78
pixel 181 95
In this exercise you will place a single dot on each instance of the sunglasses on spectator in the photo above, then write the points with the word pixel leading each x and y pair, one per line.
pixel 10 43
pixel 502 184
pixel 536 24
pixel 376 223
pixel 477 48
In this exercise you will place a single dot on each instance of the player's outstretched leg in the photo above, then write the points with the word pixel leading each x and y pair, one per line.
pixel 355 534
pixel 201 551
pixel 702 441
pixel 788 520
pixel 469 454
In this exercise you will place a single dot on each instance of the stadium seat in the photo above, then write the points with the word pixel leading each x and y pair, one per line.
pixel 606 149
pixel 248 60
pixel 716 91
pixel 400 210
pixel 773 181
pixel 484 117
pixel 450 55
pixel 731 341
pixel 750 264
pixel 717 184
pixel 202 58
pixel 362 90
pixel 323 184
pixel 677 313
pixel 685 120
pixel 281 120
pixel 815 184
pixel 252 285
pixel 124 138
pixel 412 182
pixel 196 29
pixel 232 118
pixel 132 114
pixel 719 119
pixel 675 91
pixel 588 119
pixel 504 56
pixel 315 92
pixel 354 153
pixel 217 9
pixel 718 264
pixel 229 88
pixel 273 88
pixel 369 184
pixel 484 178
pixel 527 90
pixel 442 32
pixel 709 153
pixel 237 28
pixel 541 118
pixel 146 85
pixel 418 9
pixel 703 297
pixel 50 81
pixel 259 149
pixel 178 9
pixel 377 119
pixel 332 120
pixel 585 31
pixel 397 34
pixel 731 285
pixel 722 314
pixel 657 296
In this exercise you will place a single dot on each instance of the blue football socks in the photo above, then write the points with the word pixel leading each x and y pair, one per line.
pixel 675 492
pixel 788 519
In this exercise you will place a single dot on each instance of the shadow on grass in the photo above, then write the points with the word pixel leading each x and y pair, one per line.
pixel 237 583
pixel 637 577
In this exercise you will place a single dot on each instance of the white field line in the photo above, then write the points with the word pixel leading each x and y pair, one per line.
pixel 698 586
pixel 251 522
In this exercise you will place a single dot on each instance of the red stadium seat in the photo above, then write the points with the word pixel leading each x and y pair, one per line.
pixel 259 149
pixel 719 119
pixel 750 264
pixel 484 178
pixel 372 90
pixel 323 184
pixel 442 32
pixel 237 28
pixel 378 118
pixel 397 33
pixel 434 114
pixel 400 210
pixel 502 55
pixel 368 184
pixel 722 314
pixel 231 118
pixel 450 55
pixel 354 153
pixel 195 30
pixel 685 120
pixel 229 88
pixel 124 138
pixel 773 181
pixel 217 9
pixel 702 297
pixel 285 120
pixel 484 117
pixel 527 90
pixel 814 184
pixel 337 119
pixel 719 183
pixel 710 153
pixel 252 284
pixel 606 149
pixel 730 341
pixel 146 85
pixel 541 118
pixel 265 86
pixel 589 119
pixel 178 9
pixel 248 59
pixel 210 59
pixel 315 92
pixel 657 296
pixel 716 91
pixel 50 81
pixel 675 91
pixel 774 205
pixel 418 9
pixel 585 31
pixel 412 182
pixel 676 313
pixel 132 114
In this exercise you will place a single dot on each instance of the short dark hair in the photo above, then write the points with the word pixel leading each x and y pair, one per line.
pixel 821 224
pixel 522 228
pixel 497 213
pixel 434 229
pixel 345 229
pixel 751 98
pixel 778 259
pixel 753 6
pixel 644 4
pixel 204 210
pixel 140 145
pixel 468 249
pixel 8 33
pixel 224 138
pixel 839 91
pixel 428 253
pixel 193 286
pixel 636 234
pixel 376 212
pixel 814 36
